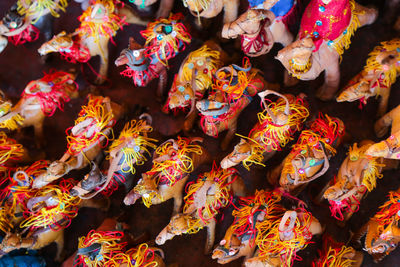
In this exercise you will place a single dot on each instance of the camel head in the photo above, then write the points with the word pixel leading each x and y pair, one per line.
pixel 241 152
pixel 55 170
pixel 61 42
pixel 132 56
pixel 297 56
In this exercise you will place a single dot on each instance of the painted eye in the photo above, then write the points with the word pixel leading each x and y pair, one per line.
pixel 232 252
pixel 173 154
pixel 13 24
pixel 136 53
pixel 181 89
pixel 174 34
pixel 187 97
pixel 222 242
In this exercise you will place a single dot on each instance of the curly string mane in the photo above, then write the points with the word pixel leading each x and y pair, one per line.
pixel 245 217
pixel 374 66
pixel 269 242
pixel 134 130
pixel 221 198
pixel 55 98
pixel 388 212
pixel 9 150
pixel 332 255
pixel 101 121
pixel 165 38
pixel 142 256
pixel 268 136
pixel 66 207
pixel 36 8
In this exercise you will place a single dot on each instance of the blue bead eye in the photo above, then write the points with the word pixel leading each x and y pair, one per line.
pixel 318 23
pixel 168 29
pixel 187 97
pixel 159 37
pixel 218 105
pixel 190 65
pixel 136 148
pixel 181 89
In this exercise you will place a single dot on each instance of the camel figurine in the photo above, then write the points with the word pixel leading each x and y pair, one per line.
pixel 382 232
pixel 173 161
pixel 234 89
pixel 86 139
pixel 376 78
pixel 309 157
pixel 27 18
pixel 165 38
pixel 388 148
pixel 99 23
pixel 195 76
pixel 325 32
pixel 239 239
pixel 279 241
pixel 128 150
pixel 357 176
pixel 276 125
pixel 211 8
pixel 98 248
pixel 48 211
pixel 40 99
pixel 259 29
pixel 211 192
pixel 334 253
pixel 11 153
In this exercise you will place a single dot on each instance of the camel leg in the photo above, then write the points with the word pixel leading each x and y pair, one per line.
pixel 332 78
pixel 230 10
pixel 39 137
pixel 229 136
pixel 162 84
pixel 165 8
pixel 210 237
pixel 60 246
pixel 188 124
pixel 382 125
pixel 385 93
pixel 177 202
pixel 289 80
pixel 281 33
pixel 102 76
pixel 367 16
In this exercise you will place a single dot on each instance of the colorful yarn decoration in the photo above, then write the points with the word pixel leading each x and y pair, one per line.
pixel 334 23
pixel 38 8
pixel 345 205
pixel 76 53
pixel 30 34
pixel 269 242
pixel 55 217
pixel 255 43
pixel 134 144
pixel 235 80
pixel 388 212
pixel 140 78
pixel 12 123
pixel 389 75
pixel 333 255
pixel 222 179
pixel 106 246
pixel 245 222
pixel 267 136
pixel 100 120
pixel 165 38
pixel 61 85
pixel 324 130
pixel 107 26
pixel 9 150
pixel 199 6
pixel 148 190
pixel 178 162
pixel 142 256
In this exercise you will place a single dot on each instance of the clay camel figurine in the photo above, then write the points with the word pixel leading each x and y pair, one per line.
pixel 211 192
pixel 325 32
pixel 50 210
pixel 337 254
pixel 86 138
pixel 231 95
pixel 99 23
pixel 239 239
pixel 388 148
pixel 40 99
pixel 173 161
pixel 194 79
pixel 258 30
pixel 276 126
pixel 357 176
pixel 126 152
pixel 309 157
pixel 279 241
pixel 165 38
pixel 376 78
pixel 26 19
pixel 382 231
pixel 211 8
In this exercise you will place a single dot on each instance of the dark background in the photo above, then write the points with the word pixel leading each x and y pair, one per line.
pixel 19 65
